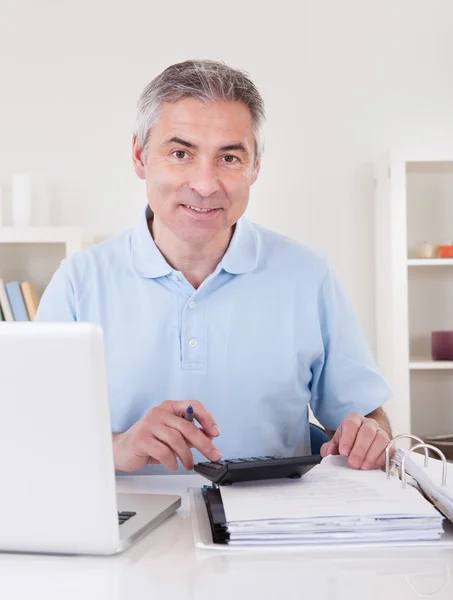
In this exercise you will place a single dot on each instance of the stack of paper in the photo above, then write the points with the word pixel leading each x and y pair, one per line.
pixel 330 504
pixel 430 480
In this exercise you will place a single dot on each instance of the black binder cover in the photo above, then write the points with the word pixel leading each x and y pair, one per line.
pixel 216 514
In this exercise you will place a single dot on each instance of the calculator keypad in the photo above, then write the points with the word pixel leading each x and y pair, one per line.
pixel 251 468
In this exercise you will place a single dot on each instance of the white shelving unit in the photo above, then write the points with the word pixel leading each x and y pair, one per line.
pixel 429 262
pixel 34 253
pixel 71 237
pixel 414 203
pixel 425 363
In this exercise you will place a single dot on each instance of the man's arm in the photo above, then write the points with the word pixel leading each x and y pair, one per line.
pixel 380 416
pixel 58 301
pixel 362 439
pixel 346 379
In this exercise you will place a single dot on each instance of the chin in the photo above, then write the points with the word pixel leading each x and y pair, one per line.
pixel 200 233
pixel 197 237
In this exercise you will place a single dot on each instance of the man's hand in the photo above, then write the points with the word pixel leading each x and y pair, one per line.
pixel 361 439
pixel 162 436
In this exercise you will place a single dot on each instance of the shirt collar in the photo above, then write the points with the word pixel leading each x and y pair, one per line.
pixel 242 253
pixel 148 261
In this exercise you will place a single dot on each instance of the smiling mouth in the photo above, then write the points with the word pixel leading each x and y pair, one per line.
pixel 202 210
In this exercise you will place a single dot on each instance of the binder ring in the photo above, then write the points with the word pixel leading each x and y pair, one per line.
pixel 428 447
pixel 390 444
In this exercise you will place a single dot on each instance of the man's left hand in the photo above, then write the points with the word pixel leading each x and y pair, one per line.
pixel 361 439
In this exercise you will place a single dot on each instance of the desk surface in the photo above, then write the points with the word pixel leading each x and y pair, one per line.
pixel 165 565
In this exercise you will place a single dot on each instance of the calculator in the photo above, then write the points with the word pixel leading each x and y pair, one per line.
pixel 226 472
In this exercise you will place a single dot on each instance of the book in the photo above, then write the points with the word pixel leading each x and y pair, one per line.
pixel 31 298
pixel 16 301
pixel 1 314
pixel 4 303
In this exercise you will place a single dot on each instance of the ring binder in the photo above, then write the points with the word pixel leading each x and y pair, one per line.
pixel 427 447
pixel 391 443
pixel 422 515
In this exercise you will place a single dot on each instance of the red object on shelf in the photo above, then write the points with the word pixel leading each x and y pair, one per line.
pixel 445 251
pixel 442 345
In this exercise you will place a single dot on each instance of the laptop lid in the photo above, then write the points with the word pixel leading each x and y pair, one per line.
pixel 56 457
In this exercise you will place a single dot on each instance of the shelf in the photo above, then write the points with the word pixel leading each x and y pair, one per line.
pixel 414 295
pixel 40 235
pixel 429 262
pixel 426 363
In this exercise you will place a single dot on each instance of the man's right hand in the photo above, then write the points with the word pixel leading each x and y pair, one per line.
pixel 162 436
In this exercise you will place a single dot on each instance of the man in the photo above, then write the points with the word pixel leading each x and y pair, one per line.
pixel 201 307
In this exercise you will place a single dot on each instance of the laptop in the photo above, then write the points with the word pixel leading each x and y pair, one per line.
pixel 58 492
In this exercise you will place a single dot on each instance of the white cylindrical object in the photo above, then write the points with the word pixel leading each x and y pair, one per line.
pixel 426 250
pixel 21 205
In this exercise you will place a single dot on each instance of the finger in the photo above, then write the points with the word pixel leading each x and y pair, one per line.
pixel 329 448
pixel 161 453
pixel 324 450
pixel 207 434
pixel 177 444
pixel 364 440
pixel 194 436
pixel 375 457
pixel 348 431
pixel 202 415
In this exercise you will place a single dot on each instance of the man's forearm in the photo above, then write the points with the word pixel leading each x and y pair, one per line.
pixel 381 418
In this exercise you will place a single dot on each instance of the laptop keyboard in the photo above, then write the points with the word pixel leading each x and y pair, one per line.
pixel 124 516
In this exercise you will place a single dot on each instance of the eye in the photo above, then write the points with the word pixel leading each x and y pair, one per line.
pixel 178 153
pixel 231 159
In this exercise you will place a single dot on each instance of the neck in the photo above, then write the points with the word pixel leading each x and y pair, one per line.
pixel 195 261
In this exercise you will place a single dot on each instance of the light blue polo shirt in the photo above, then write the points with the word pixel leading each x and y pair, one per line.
pixel 270 331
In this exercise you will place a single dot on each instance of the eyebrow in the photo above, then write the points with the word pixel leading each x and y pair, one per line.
pixel 237 146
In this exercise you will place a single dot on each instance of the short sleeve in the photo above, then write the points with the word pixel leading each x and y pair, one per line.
pixel 58 301
pixel 345 375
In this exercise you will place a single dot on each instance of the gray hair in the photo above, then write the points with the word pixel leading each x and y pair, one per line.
pixel 205 80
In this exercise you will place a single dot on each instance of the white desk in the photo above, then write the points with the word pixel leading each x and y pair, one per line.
pixel 166 566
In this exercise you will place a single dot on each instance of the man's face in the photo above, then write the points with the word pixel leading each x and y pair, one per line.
pixel 200 156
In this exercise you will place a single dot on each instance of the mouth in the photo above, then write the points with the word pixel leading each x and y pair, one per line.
pixel 199 213
pixel 200 210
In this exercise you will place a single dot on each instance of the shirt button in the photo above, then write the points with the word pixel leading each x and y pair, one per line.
pixel 192 343
pixel 174 277
pixel 192 304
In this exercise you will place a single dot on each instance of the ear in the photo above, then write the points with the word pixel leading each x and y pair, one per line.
pixel 139 165
pixel 256 171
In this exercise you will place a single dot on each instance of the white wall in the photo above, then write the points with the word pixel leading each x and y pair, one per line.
pixel 342 80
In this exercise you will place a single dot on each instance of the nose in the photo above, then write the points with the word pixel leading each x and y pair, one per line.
pixel 204 179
